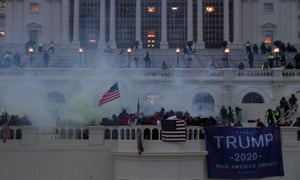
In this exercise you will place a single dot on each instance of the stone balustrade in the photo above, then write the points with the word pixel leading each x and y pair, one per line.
pixel 224 74
pixel 123 135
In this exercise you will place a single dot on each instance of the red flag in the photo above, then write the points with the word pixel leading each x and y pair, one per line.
pixel 110 95
pixel 139 141
pixel 5 128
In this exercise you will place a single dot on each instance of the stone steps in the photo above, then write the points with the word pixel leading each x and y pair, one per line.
pixel 95 57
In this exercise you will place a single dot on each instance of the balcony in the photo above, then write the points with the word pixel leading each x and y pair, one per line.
pixel 155 74
pixel 121 138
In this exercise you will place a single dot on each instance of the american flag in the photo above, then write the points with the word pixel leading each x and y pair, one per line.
pixel 5 128
pixel 173 130
pixel 110 95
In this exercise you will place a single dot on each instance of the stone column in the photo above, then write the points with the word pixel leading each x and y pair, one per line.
pixel 65 22
pixel 226 21
pixel 190 21
pixel 9 23
pixel 76 24
pixel 200 43
pixel 164 23
pixel 227 94
pixel 138 23
pixel 101 42
pixel 112 27
pixel 237 6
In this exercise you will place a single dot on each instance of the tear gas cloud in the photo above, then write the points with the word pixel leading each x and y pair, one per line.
pixel 27 96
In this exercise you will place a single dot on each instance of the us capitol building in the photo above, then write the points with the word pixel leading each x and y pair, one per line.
pixel 100 42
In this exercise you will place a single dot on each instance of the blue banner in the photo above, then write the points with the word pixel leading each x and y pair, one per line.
pixel 243 152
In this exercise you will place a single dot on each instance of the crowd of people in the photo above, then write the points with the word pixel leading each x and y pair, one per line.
pixel 229 116
pixel 125 118
pixel 14 120
pixel 14 59
pixel 273 58
pixel 281 114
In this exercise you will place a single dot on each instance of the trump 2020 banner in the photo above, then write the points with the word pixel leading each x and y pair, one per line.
pixel 237 153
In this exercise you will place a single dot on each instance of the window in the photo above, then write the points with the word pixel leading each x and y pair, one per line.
pixel 89 23
pixel 151 39
pixel 253 97
pixel 55 97
pixel 125 23
pixel 151 9
pixel 2 5
pixel 107 134
pixel 213 23
pixel 177 23
pixel 151 22
pixel 2 24
pixel 203 104
pixel 268 7
pixel 70 134
pixel 18 134
pixel 34 8
pixel 269 34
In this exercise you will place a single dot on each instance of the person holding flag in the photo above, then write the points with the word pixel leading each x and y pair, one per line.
pixel 139 141
pixel 5 134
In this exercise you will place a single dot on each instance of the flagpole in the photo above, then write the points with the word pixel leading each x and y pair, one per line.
pixel 122 107
pixel 120 97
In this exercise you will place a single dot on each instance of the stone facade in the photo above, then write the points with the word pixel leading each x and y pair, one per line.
pixel 51 21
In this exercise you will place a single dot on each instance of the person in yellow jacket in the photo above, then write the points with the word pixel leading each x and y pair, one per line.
pixel 270 117
pixel 271 58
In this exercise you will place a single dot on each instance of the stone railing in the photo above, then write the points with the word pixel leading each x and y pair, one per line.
pixel 149 133
pixel 227 73
pixel 29 135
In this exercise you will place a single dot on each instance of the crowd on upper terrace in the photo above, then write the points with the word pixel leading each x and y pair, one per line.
pixel 228 117
pixel 14 120
pixel 34 53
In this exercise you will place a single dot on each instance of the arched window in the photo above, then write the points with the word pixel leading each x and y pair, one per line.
pixel 107 134
pixel 122 134
pixel 253 97
pixel 55 97
pixel 85 134
pixel 127 134
pixel 155 134
pixel 18 134
pixel 190 134
pixel 63 134
pixel 147 134
pixel 115 134
pixel 195 134
pixel 132 133
pixel 70 134
pixel 203 103
pixel 78 134
pixel 151 101
pixel 54 100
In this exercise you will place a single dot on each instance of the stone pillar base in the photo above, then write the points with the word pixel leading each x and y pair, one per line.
pixel 102 45
pixel 235 45
pixel 112 44
pixel 200 45
pixel 164 45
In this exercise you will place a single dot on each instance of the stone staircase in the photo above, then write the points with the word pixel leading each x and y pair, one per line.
pixel 96 57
